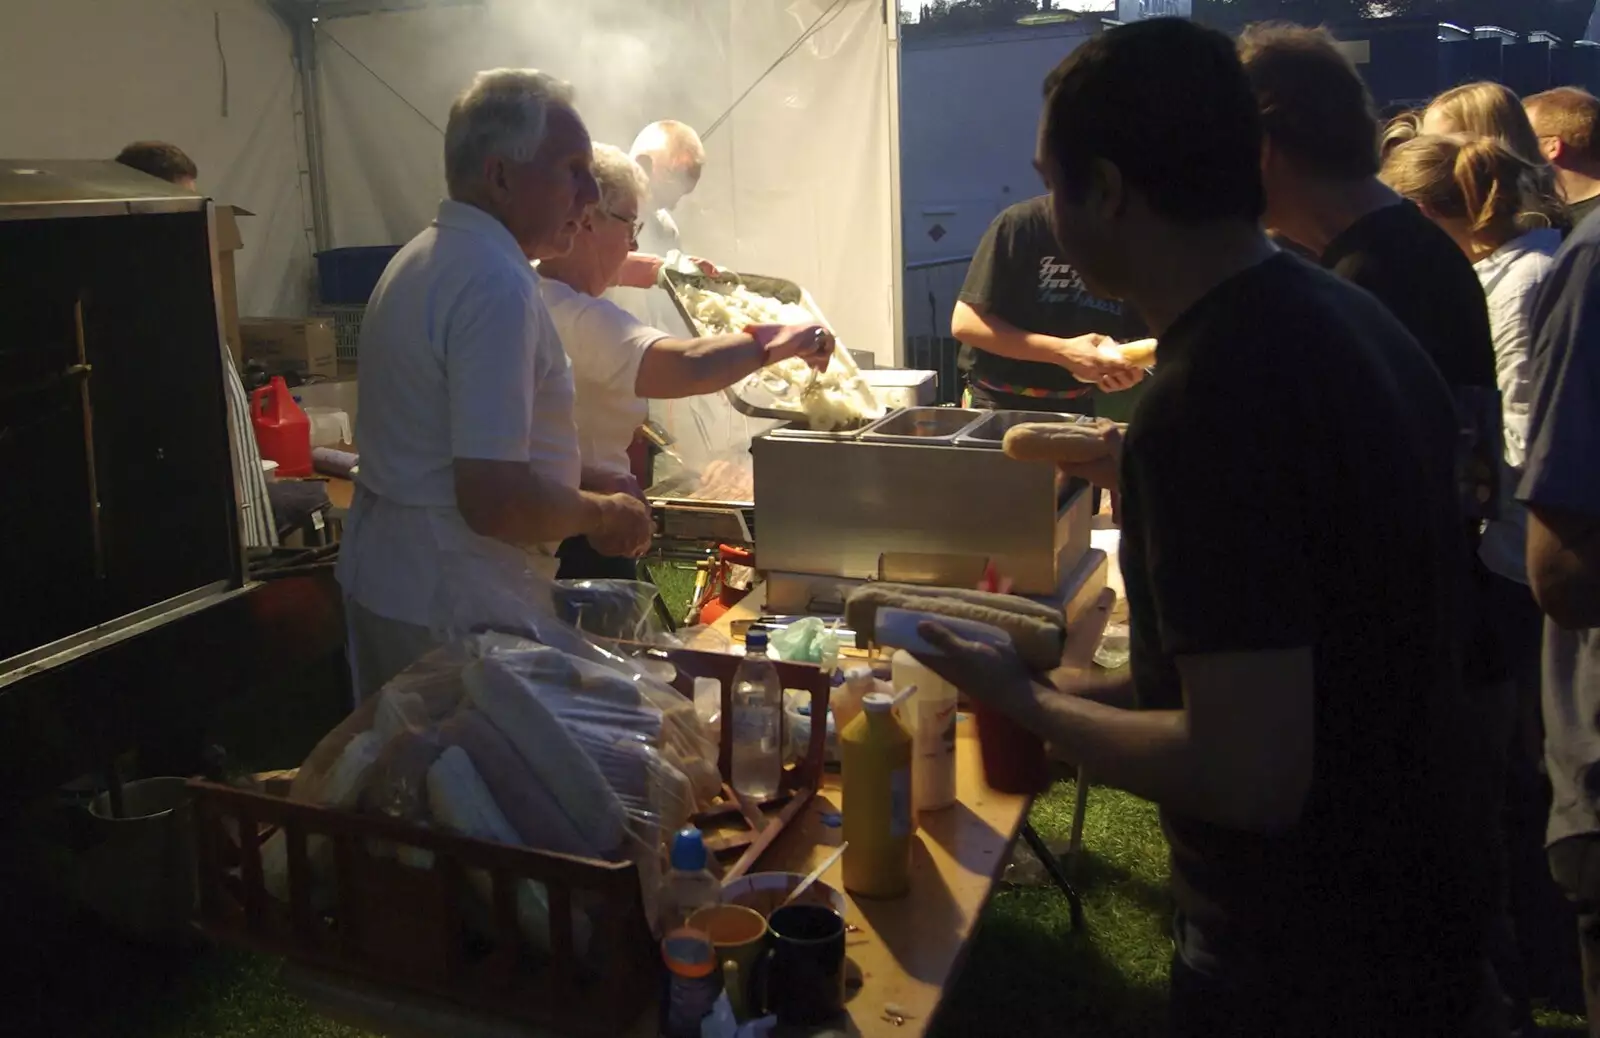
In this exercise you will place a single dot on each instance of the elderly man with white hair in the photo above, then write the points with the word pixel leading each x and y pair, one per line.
pixel 468 445
pixel 618 362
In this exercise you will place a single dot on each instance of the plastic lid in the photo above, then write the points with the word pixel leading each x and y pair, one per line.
pixel 688 850
pixel 877 703
pixel 755 639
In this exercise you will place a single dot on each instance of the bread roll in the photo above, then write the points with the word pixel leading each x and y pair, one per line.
pixel 1142 352
pixel 1065 442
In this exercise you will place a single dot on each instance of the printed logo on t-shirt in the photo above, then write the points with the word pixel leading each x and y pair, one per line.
pixel 1059 283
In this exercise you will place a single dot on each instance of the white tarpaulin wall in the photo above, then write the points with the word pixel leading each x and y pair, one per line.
pixel 799 181
pixel 82 78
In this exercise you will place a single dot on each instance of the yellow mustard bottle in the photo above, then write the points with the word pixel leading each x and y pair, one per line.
pixel 878 822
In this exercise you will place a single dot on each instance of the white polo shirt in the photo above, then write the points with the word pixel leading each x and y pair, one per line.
pixel 605 344
pixel 458 360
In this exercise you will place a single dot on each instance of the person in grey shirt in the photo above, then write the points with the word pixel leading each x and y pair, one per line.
pixel 1561 487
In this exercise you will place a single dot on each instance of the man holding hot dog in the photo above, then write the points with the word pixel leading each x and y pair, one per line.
pixel 1033 336
pixel 1295 706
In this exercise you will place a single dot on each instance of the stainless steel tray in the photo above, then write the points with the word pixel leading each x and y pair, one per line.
pixel 799 430
pixel 929 426
pixel 990 433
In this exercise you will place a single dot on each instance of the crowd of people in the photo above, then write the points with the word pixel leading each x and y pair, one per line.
pixel 1360 540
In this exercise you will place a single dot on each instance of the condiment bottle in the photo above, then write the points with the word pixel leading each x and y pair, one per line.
pixel 932 722
pixel 692 982
pixel 878 819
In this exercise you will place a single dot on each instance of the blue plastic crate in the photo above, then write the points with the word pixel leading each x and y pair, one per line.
pixel 346 277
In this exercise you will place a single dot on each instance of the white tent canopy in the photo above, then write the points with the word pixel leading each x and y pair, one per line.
pixel 800 181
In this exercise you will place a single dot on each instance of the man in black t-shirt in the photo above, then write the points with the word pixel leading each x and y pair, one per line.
pixel 1292 573
pixel 1031 332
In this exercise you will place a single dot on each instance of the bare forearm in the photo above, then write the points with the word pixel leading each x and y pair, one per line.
pixel 1107 691
pixel 677 368
pixel 528 509
pixel 1563 558
pixel 993 335
pixel 1145 752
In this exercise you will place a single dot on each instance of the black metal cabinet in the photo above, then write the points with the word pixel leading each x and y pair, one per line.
pixel 116 481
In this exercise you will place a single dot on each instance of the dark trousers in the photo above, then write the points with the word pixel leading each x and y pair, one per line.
pixel 1575 864
pixel 1532 952
pixel 579 561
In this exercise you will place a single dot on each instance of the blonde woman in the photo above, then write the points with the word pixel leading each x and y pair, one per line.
pixel 1495 111
pixel 1491 202
pixel 1403 127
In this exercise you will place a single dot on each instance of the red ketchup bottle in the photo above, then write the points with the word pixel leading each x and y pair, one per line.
pixel 283 432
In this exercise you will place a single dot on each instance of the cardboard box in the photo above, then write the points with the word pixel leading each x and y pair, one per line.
pixel 302 344
pixel 229 241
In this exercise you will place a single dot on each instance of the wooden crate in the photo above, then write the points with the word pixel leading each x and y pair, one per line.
pixel 403 927
pixel 738 826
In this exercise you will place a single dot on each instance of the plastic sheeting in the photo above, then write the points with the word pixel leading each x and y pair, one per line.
pixel 85 77
pixel 798 181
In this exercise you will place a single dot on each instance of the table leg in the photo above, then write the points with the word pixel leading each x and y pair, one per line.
pixel 1053 866
pixel 1079 807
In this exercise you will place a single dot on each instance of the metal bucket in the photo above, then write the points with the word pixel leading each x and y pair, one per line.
pixel 139 875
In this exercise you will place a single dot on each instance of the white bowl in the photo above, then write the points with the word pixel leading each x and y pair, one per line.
pixel 765 891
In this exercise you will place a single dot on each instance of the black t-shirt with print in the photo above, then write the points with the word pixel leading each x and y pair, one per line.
pixel 1016 275
pixel 1325 518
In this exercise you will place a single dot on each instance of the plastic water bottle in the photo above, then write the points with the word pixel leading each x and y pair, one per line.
pixel 757 721
pixel 689 886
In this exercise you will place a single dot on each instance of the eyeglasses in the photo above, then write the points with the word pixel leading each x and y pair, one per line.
pixel 635 224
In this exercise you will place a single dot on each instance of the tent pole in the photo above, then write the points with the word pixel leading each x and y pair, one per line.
pixel 305 45
pixel 891 17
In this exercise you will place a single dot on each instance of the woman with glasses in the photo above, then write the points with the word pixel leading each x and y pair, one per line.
pixel 618 362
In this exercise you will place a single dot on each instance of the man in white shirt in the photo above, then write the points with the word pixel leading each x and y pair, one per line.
pixel 468 446
pixel 619 362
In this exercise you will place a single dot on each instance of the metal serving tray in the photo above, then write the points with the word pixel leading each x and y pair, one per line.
pixel 799 430
pixel 990 433
pixel 929 426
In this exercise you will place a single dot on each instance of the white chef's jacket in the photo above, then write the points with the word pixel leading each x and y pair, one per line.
pixel 606 345
pixel 459 359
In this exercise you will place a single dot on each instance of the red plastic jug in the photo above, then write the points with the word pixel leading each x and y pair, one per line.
pixel 283 432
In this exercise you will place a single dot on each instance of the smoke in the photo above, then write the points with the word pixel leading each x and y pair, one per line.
pixel 631 63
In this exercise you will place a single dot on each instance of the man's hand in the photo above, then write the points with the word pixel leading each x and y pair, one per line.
pixel 612 483
pixel 706 267
pixel 1103 471
pixel 624 528
pixel 640 270
pixel 812 343
pixel 996 676
pixel 1095 358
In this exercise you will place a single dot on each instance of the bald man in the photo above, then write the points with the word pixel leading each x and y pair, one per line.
pixel 671 155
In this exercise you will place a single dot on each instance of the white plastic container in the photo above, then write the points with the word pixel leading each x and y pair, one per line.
pixel 932 722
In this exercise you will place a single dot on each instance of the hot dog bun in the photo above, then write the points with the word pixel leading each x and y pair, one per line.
pixel 1068 443
pixel 1142 352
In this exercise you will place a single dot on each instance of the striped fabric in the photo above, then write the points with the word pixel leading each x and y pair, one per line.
pixel 257 528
